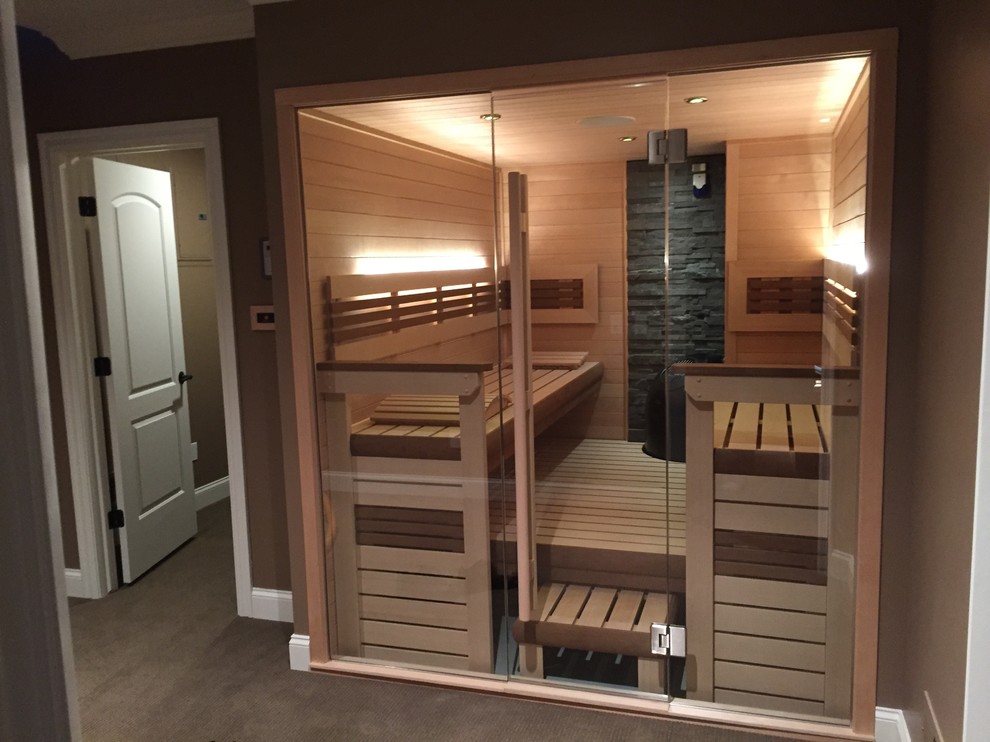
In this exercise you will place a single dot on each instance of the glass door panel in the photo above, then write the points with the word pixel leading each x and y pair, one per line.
pixel 404 274
pixel 761 342
pixel 599 542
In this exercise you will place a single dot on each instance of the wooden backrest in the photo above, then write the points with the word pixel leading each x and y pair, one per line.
pixel 371 317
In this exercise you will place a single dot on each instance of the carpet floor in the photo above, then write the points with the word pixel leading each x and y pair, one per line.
pixel 168 659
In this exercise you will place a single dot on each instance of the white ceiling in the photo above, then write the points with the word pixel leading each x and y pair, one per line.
pixel 92 28
pixel 542 127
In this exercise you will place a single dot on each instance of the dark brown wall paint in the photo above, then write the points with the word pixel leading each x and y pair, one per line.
pixel 931 569
pixel 307 42
pixel 215 80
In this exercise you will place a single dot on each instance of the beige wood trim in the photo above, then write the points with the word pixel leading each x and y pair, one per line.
pixel 840 626
pixel 295 361
pixel 700 595
pixel 636 703
pixel 298 398
pixel 879 206
pixel 342 544
pixel 474 502
pixel 768 390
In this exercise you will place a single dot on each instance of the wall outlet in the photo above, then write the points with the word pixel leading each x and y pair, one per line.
pixel 930 731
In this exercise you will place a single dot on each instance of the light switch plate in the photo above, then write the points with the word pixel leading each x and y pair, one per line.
pixel 195 451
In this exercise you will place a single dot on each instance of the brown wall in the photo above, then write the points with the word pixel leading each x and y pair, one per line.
pixel 307 42
pixel 216 80
pixel 931 521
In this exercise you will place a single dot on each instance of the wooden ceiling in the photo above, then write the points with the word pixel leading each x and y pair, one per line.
pixel 543 127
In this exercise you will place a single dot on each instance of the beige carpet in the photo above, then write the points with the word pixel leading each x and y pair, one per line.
pixel 167 659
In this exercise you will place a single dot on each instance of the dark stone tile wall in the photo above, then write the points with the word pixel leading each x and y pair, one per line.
pixel 697 274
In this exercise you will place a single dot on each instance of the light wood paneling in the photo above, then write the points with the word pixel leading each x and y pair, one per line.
pixel 778 220
pixel 848 200
pixel 540 127
pixel 369 194
pixel 564 229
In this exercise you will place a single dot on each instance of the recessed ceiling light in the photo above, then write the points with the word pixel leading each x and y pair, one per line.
pixel 824 120
pixel 696 99
pixel 627 139
pixel 491 116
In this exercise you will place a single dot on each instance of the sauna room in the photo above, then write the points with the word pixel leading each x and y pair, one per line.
pixel 587 377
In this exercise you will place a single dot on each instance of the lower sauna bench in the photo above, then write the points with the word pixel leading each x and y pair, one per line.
pixel 605 514
pixel 602 619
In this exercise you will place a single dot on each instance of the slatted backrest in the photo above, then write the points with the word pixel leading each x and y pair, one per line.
pixel 840 321
pixel 784 295
pixel 371 317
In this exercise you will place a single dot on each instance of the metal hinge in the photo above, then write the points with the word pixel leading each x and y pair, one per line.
pixel 667 640
pixel 101 366
pixel 667 146
pixel 115 518
pixel 87 206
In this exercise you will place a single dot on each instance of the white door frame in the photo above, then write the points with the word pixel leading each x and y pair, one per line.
pixel 76 332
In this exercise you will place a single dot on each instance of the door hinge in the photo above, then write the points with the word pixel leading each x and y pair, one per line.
pixel 101 366
pixel 667 146
pixel 115 518
pixel 87 206
pixel 667 640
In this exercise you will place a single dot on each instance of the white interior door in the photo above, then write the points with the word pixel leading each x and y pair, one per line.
pixel 136 287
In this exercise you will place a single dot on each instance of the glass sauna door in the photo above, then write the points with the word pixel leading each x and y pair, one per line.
pixel 404 284
pixel 761 346
pixel 600 549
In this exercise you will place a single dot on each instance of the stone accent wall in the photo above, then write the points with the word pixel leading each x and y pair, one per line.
pixel 697 274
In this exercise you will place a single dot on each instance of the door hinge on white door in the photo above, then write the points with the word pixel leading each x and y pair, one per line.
pixel 115 518
pixel 667 146
pixel 87 206
pixel 101 366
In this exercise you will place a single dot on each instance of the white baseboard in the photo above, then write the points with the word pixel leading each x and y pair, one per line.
pixel 891 726
pixel 212 492
pixel 299 652
pixel 271 605
pixel 74 583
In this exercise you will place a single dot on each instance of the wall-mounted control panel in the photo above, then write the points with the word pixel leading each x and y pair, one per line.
pixel 262 317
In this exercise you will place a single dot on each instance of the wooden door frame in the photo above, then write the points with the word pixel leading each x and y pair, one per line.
pixel 76 333
pixel 296 362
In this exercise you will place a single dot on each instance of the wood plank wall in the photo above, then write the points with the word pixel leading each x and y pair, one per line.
pixel 577 215
pixel 370 194
pixel 778 221
pixel 848 201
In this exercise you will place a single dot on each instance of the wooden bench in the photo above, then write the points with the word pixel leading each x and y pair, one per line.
pixel 425 426
pixel 602 619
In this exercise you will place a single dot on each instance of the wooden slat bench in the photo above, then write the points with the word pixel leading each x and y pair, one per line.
pixel 605 512
pixel 602 619
pixel 425 426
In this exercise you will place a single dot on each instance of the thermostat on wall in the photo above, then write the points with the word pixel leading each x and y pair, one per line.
pixel 262 318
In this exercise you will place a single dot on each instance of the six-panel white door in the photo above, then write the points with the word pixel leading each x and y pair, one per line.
pixel 136 280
